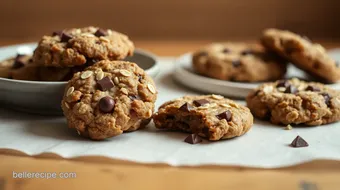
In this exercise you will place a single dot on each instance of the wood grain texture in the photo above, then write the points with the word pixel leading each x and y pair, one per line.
pixel 171 19
pixel 116 176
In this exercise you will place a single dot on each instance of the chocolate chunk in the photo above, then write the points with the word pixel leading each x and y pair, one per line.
pixel 19 62
pixel 291 89
pixel 247 52
pixel 226 50
pixel 299 142
pixel 313 88
pixel 186 107
pixel 201 102
pixel 106 104
pixel 224 115
pixel 283 83
pixel 57 33
pixel 327 98
pixel 65 37
pixel 100 32
pixel 236 63
pixel 193 139
pixel 105 84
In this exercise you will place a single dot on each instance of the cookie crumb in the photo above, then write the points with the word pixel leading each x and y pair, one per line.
pixel 288 127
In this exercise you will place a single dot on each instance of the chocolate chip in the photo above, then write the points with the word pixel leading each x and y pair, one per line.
pixel 65 37
pixel 247 52
pixel 226 50
pixel 327 98
pixel 19 62
pixel 291 89
pixel 312 88
pixel 200 102
pixel 299 142
pixel 106 104
pixel 283 83
pixel 140 78
pixel 100 32
pixel 57 33
pixel 105 84
pixel 236 63
pixel 193 139
pixel 224 115
pixel 186 107
pixel 134 97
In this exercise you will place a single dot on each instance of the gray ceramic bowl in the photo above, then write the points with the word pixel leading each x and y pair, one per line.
pixel 45 97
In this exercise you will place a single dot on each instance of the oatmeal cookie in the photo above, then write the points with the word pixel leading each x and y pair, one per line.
pixel 308 56
pixel 211 116
pixel 295 102
pixel 109 98
pixel 78 46
pixel 238 62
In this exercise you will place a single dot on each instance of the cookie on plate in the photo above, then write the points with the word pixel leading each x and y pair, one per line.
pixel 109 98
pixel 295 102
pixel 22 67
pixel 79 46
pixel 211 116
pixel 306 55
pixel 238 62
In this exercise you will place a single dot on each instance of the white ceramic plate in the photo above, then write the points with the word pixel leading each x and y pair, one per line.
pixel 45 97
pixel 185 75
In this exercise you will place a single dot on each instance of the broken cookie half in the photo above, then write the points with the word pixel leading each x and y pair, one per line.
pixel 211 116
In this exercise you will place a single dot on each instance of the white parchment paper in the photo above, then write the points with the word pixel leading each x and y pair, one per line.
pixel 265 145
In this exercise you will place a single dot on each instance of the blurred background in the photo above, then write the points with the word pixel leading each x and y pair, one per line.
pixel 170 27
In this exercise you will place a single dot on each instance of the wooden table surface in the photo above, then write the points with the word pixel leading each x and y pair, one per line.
pixel 104 173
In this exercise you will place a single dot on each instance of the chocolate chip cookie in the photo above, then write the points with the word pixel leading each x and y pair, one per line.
pixel 238 62
pixel 295 102
pixel 22 67
pixel 109 98
pixel 79 46
pixel 306 55
pixel 211 116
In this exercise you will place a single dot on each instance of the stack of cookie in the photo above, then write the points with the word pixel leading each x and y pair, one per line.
pixel 60 55
pixel 104 96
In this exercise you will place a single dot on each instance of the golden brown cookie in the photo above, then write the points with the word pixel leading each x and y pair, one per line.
pixel 22 67
pixel 210 116
pixel 295 102
pixel 79 46
pixel 238 62
pixel 109 98
pixel 306 55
